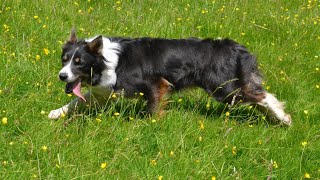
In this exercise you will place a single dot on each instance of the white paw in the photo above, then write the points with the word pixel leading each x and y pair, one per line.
pixel 287 120
pixel 55 114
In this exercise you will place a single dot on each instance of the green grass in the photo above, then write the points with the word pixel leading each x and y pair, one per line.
pixel 191 141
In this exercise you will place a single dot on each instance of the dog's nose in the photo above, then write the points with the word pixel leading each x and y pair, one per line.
pixel 63 76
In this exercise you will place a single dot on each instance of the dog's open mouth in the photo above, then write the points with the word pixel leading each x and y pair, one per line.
pixel 75 87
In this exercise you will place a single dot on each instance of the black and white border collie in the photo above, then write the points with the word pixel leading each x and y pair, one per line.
pixel 155 67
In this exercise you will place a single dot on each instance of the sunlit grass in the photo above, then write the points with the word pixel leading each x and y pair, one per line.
pixel 198 138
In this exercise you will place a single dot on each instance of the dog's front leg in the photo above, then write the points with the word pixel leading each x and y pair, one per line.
pixel 77 104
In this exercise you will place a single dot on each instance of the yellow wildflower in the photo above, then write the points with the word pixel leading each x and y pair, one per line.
pixel 201 125
pixel 304 143
pixel 38 57
pixel 153 121
pixel 36 17
pixel 200 138
pixel 179 100
pixel 213 178
pixel 46 51
pixel 204 11
pixel 44 148
pixel 305 112
pixel 171 153
pixel 208 105
pixel 141 94
pixel 307 176
pixel 116 114
pixel 103 165
pixel 227 113
pixel 234 150
pixel 160 177
pixel 6 28
pixel 274 164
pixel 4 121
pixel 98 120
pixel 90 9
pixel 42 112
pixel 153 162
pixel 4 163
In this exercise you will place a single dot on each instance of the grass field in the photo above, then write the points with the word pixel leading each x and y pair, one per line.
pixel 197 138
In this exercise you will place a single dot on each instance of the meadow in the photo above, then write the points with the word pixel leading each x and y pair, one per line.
pixel 198 138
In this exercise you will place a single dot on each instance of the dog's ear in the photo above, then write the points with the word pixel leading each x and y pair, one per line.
pixel 73 37
pixel 95 45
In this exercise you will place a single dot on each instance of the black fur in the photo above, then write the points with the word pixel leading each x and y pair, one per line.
pixel 223 68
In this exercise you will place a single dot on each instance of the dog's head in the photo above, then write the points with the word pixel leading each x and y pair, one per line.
pixel 82 62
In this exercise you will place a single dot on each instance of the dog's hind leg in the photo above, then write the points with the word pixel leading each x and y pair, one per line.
pixel 161 88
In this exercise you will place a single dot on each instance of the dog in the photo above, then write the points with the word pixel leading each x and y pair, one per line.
pixel 155 67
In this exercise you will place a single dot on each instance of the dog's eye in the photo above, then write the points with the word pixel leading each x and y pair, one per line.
pixel 77 60
pixel 65 58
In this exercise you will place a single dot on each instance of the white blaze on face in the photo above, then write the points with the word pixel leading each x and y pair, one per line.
pixel 67 70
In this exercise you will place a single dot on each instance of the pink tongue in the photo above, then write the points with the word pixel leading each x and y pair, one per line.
pixel 77 90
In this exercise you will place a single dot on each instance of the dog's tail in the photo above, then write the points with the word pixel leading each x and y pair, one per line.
pixel 249 75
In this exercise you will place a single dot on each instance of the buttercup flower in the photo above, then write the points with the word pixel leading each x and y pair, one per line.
pixel 234 150
pixel 275 165
pixel 46 51
pixel 103 165
pixel 201 125
pixel 98 120
pixel 153 162
pixel 38 57
pixel 44 148
pixel 307 176
pixel 304 143
pixel 171 153
pixel 4 121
